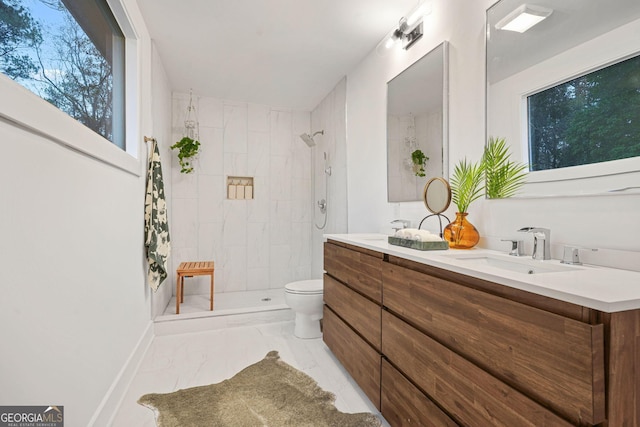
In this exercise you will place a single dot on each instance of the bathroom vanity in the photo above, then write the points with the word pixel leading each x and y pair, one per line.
pixel 469 338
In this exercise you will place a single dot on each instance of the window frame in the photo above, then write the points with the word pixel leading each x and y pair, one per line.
pixel 21 107
pixel 591 170
pixel 530 122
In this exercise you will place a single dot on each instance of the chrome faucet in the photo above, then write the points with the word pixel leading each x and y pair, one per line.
pixel 516 247
pixel 540 234
pixel 572 254
pixel 402 222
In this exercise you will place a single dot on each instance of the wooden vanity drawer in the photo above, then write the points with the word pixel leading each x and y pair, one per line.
pixel 558 362
pixel 404 405
pixel 361 271
pixel 360 313
pixel 358 358
pixel 457 385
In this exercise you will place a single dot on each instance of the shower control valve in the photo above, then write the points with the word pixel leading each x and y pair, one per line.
pixel 322 204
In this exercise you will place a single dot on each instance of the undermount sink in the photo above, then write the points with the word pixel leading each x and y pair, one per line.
pixel 518 265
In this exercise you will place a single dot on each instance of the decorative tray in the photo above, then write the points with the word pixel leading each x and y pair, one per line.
pixel 421 246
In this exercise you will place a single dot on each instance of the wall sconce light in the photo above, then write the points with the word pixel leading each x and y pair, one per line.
pixel 523 18
pixel 409 30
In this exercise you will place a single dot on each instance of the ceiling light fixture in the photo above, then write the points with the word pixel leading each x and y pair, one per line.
pixel 523 18
pixel 409 29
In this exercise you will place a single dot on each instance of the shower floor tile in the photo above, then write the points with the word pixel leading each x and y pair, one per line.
pixel 228 303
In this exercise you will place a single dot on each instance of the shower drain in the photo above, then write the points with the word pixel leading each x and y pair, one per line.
pixel 266 299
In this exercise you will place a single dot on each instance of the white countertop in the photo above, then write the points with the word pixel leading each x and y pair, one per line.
pixel 605 289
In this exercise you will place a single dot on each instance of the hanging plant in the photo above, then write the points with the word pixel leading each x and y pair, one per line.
pixel 189 145
pixel 419 160
pixel 188 150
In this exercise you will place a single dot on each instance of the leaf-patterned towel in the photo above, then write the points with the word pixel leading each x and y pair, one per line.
pixel 156 227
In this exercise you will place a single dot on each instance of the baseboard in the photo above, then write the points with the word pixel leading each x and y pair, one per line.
pixel 116 393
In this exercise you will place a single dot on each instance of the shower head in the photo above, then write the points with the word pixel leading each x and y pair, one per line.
pixel 308 139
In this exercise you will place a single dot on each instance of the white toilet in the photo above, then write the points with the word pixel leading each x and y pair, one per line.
pixel 305 299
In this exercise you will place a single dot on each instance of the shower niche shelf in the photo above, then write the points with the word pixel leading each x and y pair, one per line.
pixel 240 187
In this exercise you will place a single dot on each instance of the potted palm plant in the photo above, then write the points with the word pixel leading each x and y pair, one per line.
pixel 466 186
pixel 496 174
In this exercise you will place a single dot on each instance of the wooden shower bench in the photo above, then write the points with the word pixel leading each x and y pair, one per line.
pixel 190 269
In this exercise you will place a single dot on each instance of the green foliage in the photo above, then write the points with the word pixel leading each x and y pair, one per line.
pixel 466 183
pixel 188 149
pixel 18 30
pixel 503 177
pixel 590 119
pixel 419 159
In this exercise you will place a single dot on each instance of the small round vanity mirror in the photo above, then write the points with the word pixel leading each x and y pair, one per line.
pixel 437 195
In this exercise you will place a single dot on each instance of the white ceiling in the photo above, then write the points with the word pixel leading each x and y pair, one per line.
pixel 286 53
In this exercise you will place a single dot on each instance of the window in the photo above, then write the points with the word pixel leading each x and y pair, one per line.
pixel 590 119
pixel 70 53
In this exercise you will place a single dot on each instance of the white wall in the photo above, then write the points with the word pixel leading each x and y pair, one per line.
pixel 161 110
pixel 74 296
pixel 585 221
pixel 461 23
pixel 330 116
pixel 256 244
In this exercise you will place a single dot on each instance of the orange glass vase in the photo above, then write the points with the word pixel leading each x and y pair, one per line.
pixel 460 233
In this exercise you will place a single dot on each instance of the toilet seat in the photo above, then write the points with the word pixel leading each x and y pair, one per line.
pixel 305 287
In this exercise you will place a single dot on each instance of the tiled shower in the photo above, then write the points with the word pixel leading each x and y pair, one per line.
pixel 269 240
pixel 258 243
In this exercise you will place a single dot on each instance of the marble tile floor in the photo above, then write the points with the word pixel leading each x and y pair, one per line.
pixel 184 360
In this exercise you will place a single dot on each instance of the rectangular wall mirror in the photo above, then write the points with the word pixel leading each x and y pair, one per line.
pixel 417 126
pixel 565 93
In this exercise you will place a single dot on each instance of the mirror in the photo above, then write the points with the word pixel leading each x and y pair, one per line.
pixel 578 37
pixel 437 195
pixel 417 117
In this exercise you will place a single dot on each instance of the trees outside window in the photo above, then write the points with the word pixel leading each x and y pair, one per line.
pixel 44 47
pixel 19 35
pixel 590 119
